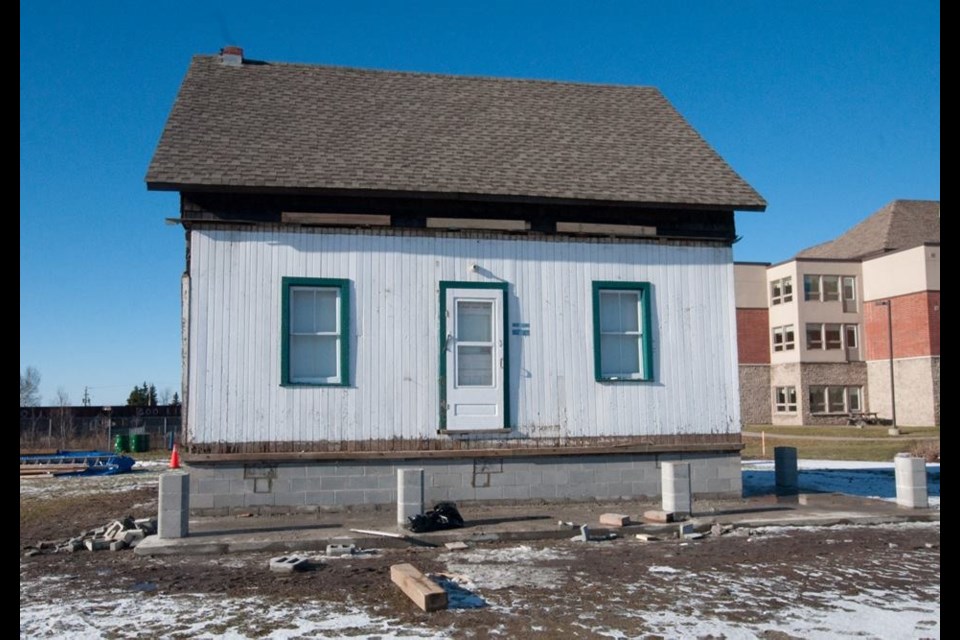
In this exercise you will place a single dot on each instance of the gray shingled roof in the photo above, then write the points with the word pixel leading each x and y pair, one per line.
pixel 305 127
pixel 902 224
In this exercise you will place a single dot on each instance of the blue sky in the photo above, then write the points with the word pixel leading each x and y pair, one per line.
pixel 830 109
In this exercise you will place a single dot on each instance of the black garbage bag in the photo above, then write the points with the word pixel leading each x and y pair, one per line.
pixel 444 515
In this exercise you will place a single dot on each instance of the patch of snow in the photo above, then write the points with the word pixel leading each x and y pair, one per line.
pixel 510 567
pixel 662 569
pixel 119 614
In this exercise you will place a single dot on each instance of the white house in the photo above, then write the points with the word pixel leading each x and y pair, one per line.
pixel 524 287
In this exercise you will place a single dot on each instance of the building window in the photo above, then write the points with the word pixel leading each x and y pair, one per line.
pixel 849 288
pixel 781 291
pixel 785 399
pixel 850 336
pixel 315 342
pixel 814 336
pixel 621 331
pixel 811 287
pixel 853 399
pixel 835 399
pixel 783 338
pixel 831 336
pixel 830 286
pixel 818 288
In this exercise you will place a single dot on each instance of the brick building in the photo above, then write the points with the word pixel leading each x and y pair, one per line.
pixel 813 332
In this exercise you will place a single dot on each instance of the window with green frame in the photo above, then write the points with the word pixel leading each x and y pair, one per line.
pixel 621 331
pixel 314 334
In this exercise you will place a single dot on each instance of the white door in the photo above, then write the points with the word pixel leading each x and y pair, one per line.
pixel 474 359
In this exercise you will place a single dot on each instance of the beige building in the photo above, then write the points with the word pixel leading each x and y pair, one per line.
pixel 814 332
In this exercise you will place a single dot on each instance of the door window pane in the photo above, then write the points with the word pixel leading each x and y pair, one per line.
pixel 474 321
pixel 474 366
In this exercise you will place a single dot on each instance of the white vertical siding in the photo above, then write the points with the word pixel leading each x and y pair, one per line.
pixel 235 392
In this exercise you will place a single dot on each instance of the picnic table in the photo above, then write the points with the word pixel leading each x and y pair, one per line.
pixel 860 418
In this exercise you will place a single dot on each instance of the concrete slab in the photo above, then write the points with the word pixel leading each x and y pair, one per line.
pixel 514 522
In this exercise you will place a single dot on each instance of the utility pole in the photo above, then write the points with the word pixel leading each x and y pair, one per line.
pixel 86 396
pixel 893 430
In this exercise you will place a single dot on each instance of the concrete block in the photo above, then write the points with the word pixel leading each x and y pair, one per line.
pixel 911 479
pixel 320 498
pixel 289 499
pixel 372 469
pixel 785 470
pixel 336 550
pixel 410 492
pixel 212 485
pixel 288 564
pixel 132 537
pixel 489 493
pixel 259 499
pixel 646 537
pixel 461 494
pixel 348 497
pixel 456 546
pixel 147 525
pixel 174 508
pixel 675 487
pixel 614 519
pixel 96 544
pixel 201 501
pixel 519 492
pixel 380 496
pixel 291 471
pixel 117 545
pixel 657 515
pixel 543 491
pixel 227 500
pixel 446 480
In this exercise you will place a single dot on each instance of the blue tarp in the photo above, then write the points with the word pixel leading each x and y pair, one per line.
pixel 98 463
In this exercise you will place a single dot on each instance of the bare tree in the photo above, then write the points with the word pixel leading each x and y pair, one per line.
pixel 30 387
pixel 165 396
pixel 64 415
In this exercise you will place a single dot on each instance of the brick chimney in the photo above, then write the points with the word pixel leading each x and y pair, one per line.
pixel 231 56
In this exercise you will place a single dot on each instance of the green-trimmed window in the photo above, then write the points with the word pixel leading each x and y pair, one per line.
pixel 621 331
pixel 315 338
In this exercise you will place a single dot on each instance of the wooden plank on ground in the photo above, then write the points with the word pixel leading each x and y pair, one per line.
pixel 424 592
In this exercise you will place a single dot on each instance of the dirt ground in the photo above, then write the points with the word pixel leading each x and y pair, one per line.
pixel 772 583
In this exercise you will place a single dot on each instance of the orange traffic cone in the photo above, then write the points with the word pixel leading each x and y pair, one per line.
pixel 175 458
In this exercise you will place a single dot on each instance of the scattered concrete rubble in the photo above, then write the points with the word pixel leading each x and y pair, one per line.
pixel 117 535
pixel 289 564
pixel 334 550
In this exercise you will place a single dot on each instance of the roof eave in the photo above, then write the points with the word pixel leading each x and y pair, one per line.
pixel 156 185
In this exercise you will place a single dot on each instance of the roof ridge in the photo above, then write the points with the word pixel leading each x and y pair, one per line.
pixel 434 74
